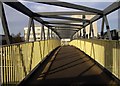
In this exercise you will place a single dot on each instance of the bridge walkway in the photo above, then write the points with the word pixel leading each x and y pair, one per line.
pixel 70 66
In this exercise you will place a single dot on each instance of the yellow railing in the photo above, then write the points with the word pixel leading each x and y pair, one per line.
pixel 19 59
pixel 106 52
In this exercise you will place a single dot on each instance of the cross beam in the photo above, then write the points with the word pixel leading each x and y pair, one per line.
pixel 66 13
pixel 69 5
pixel 23 9
pixel 63 17
pixel 65 24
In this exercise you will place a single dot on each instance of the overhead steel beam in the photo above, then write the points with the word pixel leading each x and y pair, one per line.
pixel 65 24
pixel 23 9
pixel 53 25
pixel 20 7
pixel 112 7
pixel 63 17
pixel 67 29
pixel 64 21
pixel 66 13
pixel 69 5
pixel 4 23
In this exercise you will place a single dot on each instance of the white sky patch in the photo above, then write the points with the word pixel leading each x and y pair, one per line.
pixel 88 0
pixel 70 0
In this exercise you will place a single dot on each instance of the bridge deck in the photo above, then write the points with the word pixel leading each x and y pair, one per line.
pixel 70 67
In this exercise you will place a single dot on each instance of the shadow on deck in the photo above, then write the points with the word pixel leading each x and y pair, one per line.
pixel 69 66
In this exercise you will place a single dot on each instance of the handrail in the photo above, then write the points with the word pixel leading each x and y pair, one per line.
pixel 17 60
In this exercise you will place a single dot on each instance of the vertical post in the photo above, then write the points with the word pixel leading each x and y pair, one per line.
pixel 48 33
pixel 102 28
pixel 84 31
pixel 77 34
pixel 107 27
pixel 54 35
pixel 42 33
pixel 91 30
pixel 80 34
pixel 33 29
pixel 29 29
pixel 51 34
pixel 4 23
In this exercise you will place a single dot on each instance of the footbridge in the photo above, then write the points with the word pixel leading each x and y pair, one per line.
pixel 84 60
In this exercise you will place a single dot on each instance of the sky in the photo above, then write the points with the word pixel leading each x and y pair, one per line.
pixel 17 21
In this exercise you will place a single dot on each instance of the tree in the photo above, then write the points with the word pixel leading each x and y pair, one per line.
pixel 17 38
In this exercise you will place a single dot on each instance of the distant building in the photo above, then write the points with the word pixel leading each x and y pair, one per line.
pixel 37 33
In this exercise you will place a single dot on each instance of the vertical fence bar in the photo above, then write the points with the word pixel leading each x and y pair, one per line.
pixel 12 56
pixel 8 64
pixel 14 64
pixel 5 72
pixel 1 65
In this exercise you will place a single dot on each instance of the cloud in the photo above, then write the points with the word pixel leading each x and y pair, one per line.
pixel 38 7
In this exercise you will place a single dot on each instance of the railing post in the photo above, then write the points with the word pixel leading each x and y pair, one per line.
pixel 33 29
pixel 84 31
pixel 102 28
pixel 42 33
pixel 4 23
pixel 29 29
pixel 48 33
pixel 107 27
pixel 77 34
pixel 80 34
pixel 51 34
pixel 91 30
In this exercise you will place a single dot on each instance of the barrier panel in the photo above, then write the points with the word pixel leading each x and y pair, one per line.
pixel 105 52
pixel 17 60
